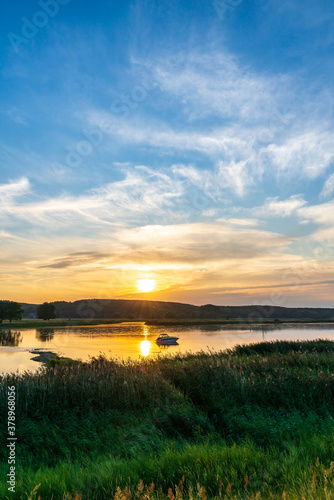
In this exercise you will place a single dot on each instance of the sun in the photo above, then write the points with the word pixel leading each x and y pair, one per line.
pixel 146 285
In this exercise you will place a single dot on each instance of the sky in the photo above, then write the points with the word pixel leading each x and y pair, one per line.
pixel 185 142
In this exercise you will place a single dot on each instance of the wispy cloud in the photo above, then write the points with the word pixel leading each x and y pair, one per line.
pixel 198 243
pixel 142 192
pixel 75 259
pixel 215 83
pixel 14 189
pixel 322 214
pixel 259 125
pixel 283 208
pixel 233 177
pixel 328 188
pixel 310 153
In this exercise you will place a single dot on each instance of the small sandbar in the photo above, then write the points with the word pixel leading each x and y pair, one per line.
pixel 43 356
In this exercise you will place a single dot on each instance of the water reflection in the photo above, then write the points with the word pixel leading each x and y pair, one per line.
pixel 145 347
pixel 136 340
pixel 264 332
pixel 45 335
pixel 146 330
pixel 10 338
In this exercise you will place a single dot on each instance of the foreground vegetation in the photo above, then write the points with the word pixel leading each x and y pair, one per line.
pixel 252 422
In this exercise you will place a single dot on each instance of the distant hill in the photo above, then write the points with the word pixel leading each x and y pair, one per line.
pixel 140 310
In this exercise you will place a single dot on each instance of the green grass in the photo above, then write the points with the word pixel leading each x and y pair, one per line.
pixel 252 422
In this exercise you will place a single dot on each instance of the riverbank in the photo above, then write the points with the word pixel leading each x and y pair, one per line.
pixel 58 323
pixel 242 323
pixel 252 422
pixel 65 323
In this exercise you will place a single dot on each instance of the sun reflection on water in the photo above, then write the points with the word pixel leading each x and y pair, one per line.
pixel 145 347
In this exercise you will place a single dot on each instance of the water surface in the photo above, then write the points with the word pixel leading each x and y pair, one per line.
pixel 134 340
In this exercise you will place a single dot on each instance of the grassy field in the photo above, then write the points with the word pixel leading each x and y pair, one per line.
pixel 255 422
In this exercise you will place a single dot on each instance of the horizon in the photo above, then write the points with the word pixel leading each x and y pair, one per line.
pixel 172 301
pixel 167 152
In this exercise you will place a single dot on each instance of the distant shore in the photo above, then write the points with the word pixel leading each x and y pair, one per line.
pixel 231 323
pixel 237 322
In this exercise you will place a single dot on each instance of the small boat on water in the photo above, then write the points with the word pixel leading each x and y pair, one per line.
pixel 165 339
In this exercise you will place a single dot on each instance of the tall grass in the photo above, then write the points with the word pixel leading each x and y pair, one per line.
pixel 241 471
pixel 250 422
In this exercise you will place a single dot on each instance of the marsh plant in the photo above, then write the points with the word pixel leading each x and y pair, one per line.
pixel 252 422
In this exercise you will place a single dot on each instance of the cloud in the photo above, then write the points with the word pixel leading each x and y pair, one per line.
pixel 322 214
pixel 178 246
pixel 328 187
pixel 14 189
pixel 227 177
pixel 239 155
pixel 279 285
pixel 241 222
pixel 198 243
pixel 244 108
pixel 158 134
pixel 215 84
pixel 6 234
pixel 283 208
pixel 322 238
pixel 141 193
pixel 235 176
pixel 309 153
pixel 76 259
pixel 247 124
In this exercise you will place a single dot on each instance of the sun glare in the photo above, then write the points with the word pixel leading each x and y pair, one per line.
pixel 146 285
pixel 145 348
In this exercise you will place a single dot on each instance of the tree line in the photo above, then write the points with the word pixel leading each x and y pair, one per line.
pixel 10 310
pixel 45 311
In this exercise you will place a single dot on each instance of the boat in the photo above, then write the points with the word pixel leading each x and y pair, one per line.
pixel 165 339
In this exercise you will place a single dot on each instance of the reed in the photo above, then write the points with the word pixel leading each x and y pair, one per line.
pixel 252 422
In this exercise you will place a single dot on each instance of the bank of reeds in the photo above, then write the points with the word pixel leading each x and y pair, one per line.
pixel 252 422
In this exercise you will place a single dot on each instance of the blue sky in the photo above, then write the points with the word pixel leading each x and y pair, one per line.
pixel 186 142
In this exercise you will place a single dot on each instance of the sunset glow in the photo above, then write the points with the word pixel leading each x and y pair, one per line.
pixel 146 285
pixel 181 163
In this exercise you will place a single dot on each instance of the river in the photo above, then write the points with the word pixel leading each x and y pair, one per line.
pixel 135 340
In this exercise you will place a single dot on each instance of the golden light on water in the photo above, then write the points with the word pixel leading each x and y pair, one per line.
pixel 145 347
pixel 146 285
